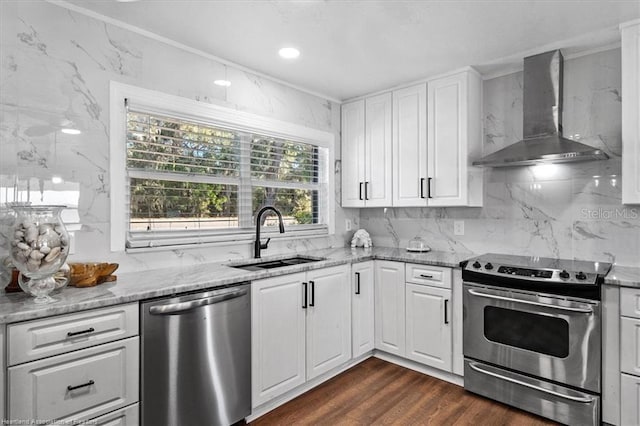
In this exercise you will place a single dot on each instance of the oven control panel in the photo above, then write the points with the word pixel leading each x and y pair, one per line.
pixel 525 272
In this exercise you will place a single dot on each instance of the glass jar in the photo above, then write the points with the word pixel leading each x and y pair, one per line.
pixel 39 249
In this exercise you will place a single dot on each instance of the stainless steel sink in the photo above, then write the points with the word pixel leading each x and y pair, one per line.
pixel 276 263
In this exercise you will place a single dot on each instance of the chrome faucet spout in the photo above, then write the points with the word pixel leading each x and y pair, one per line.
pixel 258 246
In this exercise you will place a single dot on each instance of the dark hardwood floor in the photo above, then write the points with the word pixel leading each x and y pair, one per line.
pixel 378 392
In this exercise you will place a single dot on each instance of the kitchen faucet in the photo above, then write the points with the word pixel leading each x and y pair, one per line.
pixel 258 245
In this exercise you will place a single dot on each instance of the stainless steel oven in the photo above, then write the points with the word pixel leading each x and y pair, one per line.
pixel 532 334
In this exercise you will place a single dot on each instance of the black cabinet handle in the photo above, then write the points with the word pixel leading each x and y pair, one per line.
pixel 357 282
pixel 366 190
pixel 421 187
pixel 360 192
pixel 304 295
pixel 84 385
pixel 429 188
pixel 426 276
pixel 313 293
pixel 77 333
pixel 446 309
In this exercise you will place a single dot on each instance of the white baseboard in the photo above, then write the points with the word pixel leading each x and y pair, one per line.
pixel 282 399
pixel 402 362
pixel 420 368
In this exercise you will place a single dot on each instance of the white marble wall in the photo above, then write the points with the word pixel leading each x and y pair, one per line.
pixel 571 211
pixel 56 66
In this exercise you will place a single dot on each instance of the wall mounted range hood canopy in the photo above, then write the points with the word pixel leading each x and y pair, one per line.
pixel 542 121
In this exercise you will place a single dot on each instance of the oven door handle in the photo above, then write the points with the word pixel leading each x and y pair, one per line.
pixel 529 302
pixel 581 399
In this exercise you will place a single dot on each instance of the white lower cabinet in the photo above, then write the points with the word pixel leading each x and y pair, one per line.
pixel 362 300
pixel 389 307
pixel 428 326
pixel 630 345
pixel 630 400
pixel 128 416
pixel 301 328
pixel 75 386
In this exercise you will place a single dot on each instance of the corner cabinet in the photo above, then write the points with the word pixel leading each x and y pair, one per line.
pixel 431 131
pixel 630 113
pixel 366 152
pixel 301 328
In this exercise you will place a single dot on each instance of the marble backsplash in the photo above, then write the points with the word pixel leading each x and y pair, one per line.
pixel 56 65
pixel 570 211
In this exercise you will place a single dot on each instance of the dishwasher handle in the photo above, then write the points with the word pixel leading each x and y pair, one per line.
pixel 176 308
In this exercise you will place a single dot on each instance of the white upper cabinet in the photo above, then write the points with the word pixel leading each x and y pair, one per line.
pixel 454 138
pixel 414 147
pixel 410 146
pixel 353 176
pixel 631 113
pixel 366 152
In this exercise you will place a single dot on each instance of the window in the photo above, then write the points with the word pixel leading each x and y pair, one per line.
pixel 200 173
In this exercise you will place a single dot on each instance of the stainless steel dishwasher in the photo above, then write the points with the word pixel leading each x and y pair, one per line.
pixel 196 358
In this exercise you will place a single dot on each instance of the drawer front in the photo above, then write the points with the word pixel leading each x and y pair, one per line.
pixel 629 400
pixel 630 302
pixel 43 338
pixel 630 345
pixel 76 386
pixel 429 275
pixel 128 416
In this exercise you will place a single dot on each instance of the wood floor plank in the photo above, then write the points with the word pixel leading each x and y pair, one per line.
pixel 378 392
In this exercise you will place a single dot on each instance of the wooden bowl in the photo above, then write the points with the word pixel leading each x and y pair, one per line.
pixel 88 274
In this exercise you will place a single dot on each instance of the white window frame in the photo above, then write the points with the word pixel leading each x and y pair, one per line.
pixel 184 108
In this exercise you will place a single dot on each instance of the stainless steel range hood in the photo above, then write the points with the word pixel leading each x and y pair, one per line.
pixel 542 122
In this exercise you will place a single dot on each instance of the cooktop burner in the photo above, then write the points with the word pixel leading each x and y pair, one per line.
pixel 556 276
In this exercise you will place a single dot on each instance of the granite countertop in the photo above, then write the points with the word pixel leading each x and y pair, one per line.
pixel 624 276
pixel 134 286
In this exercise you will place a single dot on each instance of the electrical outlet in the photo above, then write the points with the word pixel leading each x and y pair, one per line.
pixel 458 227
pixel 347 224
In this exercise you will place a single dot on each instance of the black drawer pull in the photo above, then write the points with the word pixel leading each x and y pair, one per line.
pixel 304 293
pixel 313 293
pixel 446 313
pixel 84 385
pixel 426 276
pixel 358 283
pixel 77 333
pixel 421 187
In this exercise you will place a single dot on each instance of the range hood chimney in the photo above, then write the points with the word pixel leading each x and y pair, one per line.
pixel 542 121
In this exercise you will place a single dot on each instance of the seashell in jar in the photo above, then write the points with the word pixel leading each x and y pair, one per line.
pixel 18 234
pixel 53 254
pixel 31 234
pixel 58 229
pixel 45 249
pixel 64 241
pixel 21 256
pixel 35 254
pixel 23 246
pixel 14 243
pixel 50 239
pixel 45 227
pixel 33 265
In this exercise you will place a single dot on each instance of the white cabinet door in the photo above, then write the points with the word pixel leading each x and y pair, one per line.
pixel 128 416
pixel 630 113
pixel 377 185
pixel 328 319
pixel 630 400
pixel 76 386
pixel 278 336
pixel 428 325
pixel 362 300
pixel 389 307
pixel 453 139
pixel 630 345
pixel 353 154
pixel 410 146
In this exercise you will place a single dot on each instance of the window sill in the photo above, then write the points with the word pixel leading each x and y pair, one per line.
pixel 233 239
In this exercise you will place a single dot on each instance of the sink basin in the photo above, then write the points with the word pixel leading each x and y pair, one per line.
pixel 275 263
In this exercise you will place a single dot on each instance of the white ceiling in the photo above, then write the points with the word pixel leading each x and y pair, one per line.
pixel 350 48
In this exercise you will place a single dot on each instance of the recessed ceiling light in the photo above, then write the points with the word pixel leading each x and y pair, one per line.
pixel 223 83
pixel 70 131
pixel 56 179
pixel 289 52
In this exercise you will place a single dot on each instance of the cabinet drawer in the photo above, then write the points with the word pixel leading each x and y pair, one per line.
pixel 429 275
pixel 31 340
pixel 630 302
pixel 127 416
pixel 76 386
pixel 630 345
